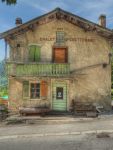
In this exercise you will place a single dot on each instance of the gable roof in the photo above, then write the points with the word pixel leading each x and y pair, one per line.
pixel 59 14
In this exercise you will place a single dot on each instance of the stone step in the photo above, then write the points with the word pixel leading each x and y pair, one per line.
pixel 59 113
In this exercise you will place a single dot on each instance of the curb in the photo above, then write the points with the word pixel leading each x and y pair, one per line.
pixel 52 119
pixel 55 134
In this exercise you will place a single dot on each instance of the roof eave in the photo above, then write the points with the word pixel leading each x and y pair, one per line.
pixel 16 29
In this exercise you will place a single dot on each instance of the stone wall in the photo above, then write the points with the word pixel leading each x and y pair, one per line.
pixel 17 100
pixel 91 81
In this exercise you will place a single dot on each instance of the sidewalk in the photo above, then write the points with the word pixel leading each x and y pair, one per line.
pixel 16 119
pixel 48 126
pixel 49 119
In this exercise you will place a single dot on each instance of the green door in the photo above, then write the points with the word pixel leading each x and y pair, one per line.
pixel 59 96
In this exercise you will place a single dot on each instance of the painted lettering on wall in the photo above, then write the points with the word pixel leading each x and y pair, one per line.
pixel 71 39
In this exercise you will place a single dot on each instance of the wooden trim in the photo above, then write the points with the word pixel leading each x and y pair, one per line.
pixel 24 95
pixel 44 88
pixel 66 58
pixel 58 14
pixel 63 84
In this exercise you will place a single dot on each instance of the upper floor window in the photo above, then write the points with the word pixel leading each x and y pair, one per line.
pixel 60 55
pixel 60 37
pixel 34 53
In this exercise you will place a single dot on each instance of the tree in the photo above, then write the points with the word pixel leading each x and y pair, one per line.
pixel 10 2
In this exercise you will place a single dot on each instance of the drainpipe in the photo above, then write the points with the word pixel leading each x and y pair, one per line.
pixel 5 50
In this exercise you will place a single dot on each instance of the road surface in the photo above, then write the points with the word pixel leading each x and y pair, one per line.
pixel 65 142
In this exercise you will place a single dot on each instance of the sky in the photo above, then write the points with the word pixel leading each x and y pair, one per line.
pixel 29 9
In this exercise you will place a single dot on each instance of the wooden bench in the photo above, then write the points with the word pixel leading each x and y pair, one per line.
pixel 33 111
pixel 84 108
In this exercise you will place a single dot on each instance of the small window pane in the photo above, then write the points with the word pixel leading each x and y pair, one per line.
pixel 59 93
pixel 35 90
pixel 59 37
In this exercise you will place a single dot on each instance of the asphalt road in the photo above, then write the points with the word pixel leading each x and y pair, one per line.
pixel 78 142
pixel 50 127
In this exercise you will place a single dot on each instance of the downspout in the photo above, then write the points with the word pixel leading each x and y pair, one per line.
pixel 5 50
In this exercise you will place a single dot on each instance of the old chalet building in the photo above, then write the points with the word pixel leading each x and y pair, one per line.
pixel 56 58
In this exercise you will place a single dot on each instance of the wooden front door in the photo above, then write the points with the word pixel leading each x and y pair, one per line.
pixel 59 102
pixel 60 55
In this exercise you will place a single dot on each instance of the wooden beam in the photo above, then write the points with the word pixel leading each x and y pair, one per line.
pixel 31 27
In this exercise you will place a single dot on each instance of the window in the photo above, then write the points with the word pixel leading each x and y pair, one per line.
pixel 35 90
pixel 60 55
pixel 60 37
pixel 59 93
pixel 34 53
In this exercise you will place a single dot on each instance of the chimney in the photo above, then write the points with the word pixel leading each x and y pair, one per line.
pixel 102 20
pixel 18 21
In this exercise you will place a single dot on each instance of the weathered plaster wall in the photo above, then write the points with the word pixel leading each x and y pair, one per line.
pixel 16 94
pixel 90 84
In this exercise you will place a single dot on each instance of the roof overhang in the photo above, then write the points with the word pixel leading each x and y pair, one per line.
pixel 58 14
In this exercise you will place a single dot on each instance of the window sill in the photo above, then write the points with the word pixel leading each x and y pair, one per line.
pixel 38 99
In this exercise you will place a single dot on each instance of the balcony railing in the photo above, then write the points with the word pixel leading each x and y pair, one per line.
pixel 37 69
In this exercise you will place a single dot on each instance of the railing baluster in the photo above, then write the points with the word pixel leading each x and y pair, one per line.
pixel 56 69
pixel 51 69
pixel 37 69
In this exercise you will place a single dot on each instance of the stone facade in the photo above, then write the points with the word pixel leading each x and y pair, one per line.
pixel 88 56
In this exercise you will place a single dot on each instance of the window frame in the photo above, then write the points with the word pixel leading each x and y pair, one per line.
pixel 61 89
pixel 34 82
pixel 61 37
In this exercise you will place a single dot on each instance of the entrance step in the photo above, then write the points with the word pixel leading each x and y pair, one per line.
pixel 59 113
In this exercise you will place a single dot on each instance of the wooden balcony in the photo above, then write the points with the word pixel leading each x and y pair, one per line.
pixel 37 69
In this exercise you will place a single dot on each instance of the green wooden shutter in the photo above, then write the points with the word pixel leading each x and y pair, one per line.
pixel 25 89
pixel 37 53
pixel 32 53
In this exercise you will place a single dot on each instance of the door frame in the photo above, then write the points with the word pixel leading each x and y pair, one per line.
pixel 59 47
pixel 64 82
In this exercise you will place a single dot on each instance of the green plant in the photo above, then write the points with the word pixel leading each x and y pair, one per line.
pixel 10 2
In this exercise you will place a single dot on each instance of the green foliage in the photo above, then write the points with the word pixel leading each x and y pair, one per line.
pixel 3 80
pixel 3 91
pixel 10 2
